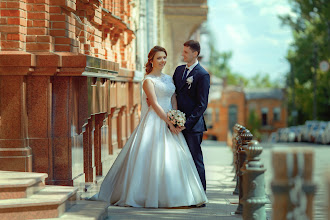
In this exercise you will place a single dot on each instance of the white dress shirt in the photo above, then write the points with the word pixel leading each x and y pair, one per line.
pixel 191 67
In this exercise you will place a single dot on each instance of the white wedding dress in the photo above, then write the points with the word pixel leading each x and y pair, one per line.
pixel 154 168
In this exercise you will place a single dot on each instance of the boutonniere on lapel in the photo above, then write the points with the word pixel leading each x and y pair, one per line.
pixel 190 81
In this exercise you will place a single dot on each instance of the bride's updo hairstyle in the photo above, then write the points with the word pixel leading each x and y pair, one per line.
pixel 151 55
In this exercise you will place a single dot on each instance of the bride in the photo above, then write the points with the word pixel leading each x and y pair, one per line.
pixel 154 168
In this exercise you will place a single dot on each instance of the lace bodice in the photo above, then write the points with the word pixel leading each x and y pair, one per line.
pixel 164 89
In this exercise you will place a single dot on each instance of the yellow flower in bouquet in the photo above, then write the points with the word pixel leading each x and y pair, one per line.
pixel 176 117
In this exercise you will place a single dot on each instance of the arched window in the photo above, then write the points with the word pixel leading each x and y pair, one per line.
pixel 232 116
pixel 264 116
pixel 208 117
pixel 277 114
pixel 217 114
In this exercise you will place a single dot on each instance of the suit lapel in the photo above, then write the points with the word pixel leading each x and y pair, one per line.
pixel 192 73
pixel 179 79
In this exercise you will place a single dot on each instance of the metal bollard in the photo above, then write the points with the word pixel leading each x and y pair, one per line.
pixel 328 188
pixel 293 190
pixel 233 146
pixel 246 137
pixel 254 197
pixel 238 144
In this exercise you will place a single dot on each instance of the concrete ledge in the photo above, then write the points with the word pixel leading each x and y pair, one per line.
pixel 50 195
pixel 87 210
pixel 15 185
pixel 50 202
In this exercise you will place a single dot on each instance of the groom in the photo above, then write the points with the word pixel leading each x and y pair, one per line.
pixel 192 84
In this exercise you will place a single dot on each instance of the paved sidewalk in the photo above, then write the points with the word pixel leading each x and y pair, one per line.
pixel 220 186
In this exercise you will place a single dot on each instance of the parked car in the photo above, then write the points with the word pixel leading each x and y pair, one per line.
pixel 316 129
pixel 273 137
pixel 298 133
pixel 323 134
pixel 311 131
pixel 305 134
pixel 291 134
pixel 281 134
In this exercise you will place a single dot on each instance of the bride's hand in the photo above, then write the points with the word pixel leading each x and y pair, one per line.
pixel 174 129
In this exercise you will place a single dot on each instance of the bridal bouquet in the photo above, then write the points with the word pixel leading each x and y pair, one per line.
pixel 176 117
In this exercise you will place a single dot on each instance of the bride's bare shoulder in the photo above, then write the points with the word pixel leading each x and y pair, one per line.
pixel 147 83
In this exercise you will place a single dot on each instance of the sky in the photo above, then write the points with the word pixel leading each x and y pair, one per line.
pixel 252 30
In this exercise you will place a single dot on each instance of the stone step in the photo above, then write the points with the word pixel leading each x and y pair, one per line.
pixel 14 185
pixel 86 210
pixel 50 202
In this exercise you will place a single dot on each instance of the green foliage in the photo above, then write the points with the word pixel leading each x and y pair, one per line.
pixel 219 66
pixel 311 32
pixel 262 81
pixel 254 124
pixel 219 62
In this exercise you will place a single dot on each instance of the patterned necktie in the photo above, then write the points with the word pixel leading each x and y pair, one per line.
pixel 184 75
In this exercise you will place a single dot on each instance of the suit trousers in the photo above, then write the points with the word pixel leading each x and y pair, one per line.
pixel 194 141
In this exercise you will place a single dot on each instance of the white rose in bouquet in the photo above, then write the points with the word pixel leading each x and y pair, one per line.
pixel 176 117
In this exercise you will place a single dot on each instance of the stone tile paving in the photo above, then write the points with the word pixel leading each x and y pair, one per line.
pixel 222 203
pixel 321 167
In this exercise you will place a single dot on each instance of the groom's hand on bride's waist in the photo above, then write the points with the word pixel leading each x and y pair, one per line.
pixel 148 103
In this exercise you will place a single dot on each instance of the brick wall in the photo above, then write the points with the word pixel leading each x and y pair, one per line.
pixel 13 25
pixel 229 97
pixel 86 26
pixel 272 125
pixel 219 128
pixel 68 101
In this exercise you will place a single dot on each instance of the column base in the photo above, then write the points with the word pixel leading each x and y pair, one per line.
pixel 16 159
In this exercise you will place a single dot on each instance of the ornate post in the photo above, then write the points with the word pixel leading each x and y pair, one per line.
pixel 293 190
pixel 328 187
pixel 237 147
pixel 246 137
pixel 254 198
pixel 233 146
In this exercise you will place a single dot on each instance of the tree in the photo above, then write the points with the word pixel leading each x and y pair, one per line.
pixel 254 124
pixel 262 81
pixel 219 66
pixel 311 31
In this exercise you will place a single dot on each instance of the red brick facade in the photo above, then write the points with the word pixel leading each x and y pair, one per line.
pixel 235 106
pixel 68 100
pixel 269 124
pixel 220 118
pixel 86 26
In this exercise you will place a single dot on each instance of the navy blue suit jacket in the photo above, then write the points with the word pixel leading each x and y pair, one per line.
pixel 193 102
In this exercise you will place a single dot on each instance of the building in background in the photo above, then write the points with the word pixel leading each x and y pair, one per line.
pixel 70 78
pixel 260 110
pixel 70 87
pixel 167 23
pixel 148 19
pixel 68 98
pixel 270 108
pixel 182 21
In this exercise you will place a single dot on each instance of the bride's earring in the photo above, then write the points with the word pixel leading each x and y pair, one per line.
pixel 152 65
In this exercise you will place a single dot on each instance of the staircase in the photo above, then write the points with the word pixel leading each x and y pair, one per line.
pixel 24 195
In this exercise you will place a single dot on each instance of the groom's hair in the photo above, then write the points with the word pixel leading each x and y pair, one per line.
pixel 194 45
